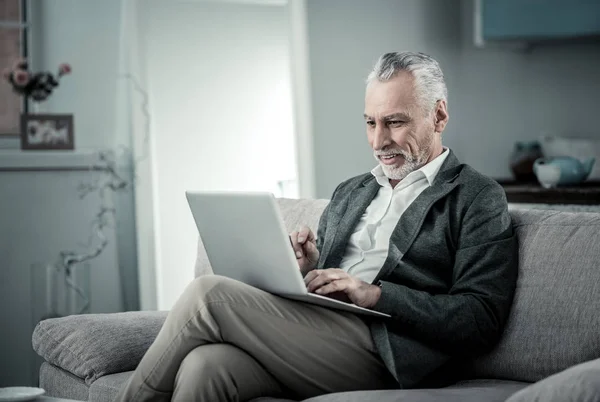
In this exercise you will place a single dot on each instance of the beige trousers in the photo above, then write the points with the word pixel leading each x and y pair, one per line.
pixel 227 341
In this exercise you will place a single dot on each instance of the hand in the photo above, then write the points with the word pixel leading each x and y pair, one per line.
pixel 305 248
pixel 334 281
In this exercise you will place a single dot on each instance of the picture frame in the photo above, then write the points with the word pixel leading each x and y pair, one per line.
pixel 47 132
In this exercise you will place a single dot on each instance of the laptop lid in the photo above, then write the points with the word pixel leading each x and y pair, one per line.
pixel 245 239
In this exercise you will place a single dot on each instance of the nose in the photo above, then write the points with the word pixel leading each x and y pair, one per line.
pixel 381 137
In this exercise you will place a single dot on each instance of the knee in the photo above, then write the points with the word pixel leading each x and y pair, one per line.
pixel 202 374
pixel 196 365
pixel 207 285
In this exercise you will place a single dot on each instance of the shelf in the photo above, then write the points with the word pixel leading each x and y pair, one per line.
pixel 586 193
pixel 25 161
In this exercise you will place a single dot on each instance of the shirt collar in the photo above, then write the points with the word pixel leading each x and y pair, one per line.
pixel 429 170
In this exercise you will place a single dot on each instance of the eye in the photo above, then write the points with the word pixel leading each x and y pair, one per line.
pixel 395 123
pixel 370 123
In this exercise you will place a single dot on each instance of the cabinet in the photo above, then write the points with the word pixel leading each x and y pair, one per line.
pixel 539 20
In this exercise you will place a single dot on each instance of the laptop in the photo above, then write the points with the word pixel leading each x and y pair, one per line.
pixel 246 240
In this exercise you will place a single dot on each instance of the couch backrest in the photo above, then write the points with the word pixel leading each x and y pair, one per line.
pixel 555 318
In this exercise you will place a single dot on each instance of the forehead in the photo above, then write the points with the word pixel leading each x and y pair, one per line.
pixel 395 95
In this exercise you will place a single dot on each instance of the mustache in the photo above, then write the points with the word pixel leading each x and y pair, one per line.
pixel 406 155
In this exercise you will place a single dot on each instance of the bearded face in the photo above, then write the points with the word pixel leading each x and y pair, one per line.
pixel 401 132
pixel 397 163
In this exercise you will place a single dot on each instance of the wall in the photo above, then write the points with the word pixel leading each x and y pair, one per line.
pixel 87 34
pixel 507 94
pixel 496 95
pixel 42 213
pixel 219 86
pixel 345 38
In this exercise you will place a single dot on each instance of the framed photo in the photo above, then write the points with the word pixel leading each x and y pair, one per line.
pixel 47 132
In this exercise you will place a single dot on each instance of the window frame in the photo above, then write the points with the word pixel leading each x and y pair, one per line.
pixel 24 24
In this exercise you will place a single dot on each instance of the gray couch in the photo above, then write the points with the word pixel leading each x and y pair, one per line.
pixel 550 349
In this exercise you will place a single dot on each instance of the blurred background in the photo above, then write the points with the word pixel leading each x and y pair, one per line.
pixel 175 95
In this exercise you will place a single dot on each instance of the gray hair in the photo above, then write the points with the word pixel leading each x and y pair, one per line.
pixel 429 79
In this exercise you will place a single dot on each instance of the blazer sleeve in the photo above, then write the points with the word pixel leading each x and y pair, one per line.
pixel 470 317
pixel 322 229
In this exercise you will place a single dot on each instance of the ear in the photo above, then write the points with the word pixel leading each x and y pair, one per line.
pixel 440 116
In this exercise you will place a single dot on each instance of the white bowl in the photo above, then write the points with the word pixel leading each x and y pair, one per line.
pixel 20 393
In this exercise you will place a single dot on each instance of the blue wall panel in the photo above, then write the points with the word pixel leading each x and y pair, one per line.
pixel 540 19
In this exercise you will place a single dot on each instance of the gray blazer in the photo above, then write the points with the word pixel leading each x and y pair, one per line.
pixel 450 274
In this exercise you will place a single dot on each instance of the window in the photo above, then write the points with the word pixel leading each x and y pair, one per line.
pixel 13 45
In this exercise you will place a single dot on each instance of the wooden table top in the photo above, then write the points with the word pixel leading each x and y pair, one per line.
pixel 586 193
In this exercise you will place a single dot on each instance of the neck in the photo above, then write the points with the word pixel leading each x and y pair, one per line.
pixel 394 182
pixel 436 151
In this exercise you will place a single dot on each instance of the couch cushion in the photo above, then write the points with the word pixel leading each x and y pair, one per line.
pixel 62 384
pixel 554 322
pixel 477 391
pixel 107 387
pixel 92 345
pixel 296 213
pixel 580 383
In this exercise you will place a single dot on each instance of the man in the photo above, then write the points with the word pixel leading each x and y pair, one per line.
pixel 421 237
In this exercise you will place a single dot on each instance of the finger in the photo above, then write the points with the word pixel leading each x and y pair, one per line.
pixel 341 285
pixel 311 275
pixel 311 251
pixel 305 234
pixel 323 276
pixel 295 245
pixel 322 280
pixel 340 272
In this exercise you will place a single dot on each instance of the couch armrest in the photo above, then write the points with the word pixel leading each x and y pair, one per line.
pixel 92 345
pixel 580 383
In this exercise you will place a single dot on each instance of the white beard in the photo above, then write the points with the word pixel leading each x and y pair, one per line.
pixel 411 162
pixel 400 172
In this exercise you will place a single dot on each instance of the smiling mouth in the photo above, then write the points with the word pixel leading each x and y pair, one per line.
pixel 390 159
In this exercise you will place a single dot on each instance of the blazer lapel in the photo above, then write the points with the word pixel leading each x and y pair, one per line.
pixel 358 201
pixel 412 219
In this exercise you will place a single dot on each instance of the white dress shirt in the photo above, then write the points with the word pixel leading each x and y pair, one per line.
pixel 368 245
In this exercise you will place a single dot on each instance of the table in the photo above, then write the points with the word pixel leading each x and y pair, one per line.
pixel 586 193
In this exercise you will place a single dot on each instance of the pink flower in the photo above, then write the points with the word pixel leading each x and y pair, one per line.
pixel 64 69
pixel 21 77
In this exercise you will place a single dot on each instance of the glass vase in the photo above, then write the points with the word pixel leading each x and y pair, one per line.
pixel 58 291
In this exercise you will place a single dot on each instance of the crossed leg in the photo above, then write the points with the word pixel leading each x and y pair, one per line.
pixel 225 340
pixel 222 372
